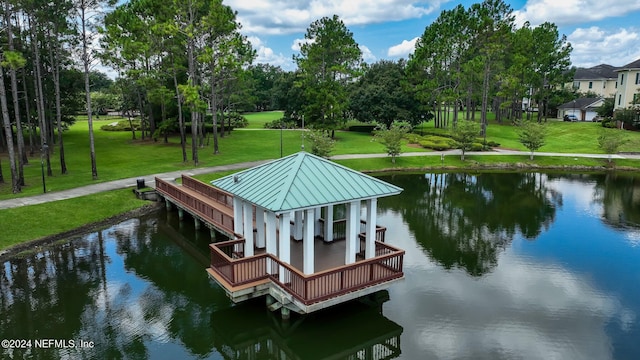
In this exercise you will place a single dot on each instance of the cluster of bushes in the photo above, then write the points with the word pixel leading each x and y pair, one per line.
pixel 282 123
pixel 442 142
pixel 237 120
pixel 609 122
pixel 122 125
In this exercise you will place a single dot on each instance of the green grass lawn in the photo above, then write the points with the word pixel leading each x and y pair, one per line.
pixel 37 221
pixel 119 156
pixel 258 119
pixel 562 137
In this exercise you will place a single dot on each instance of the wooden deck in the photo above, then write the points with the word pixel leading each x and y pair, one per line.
pixel 211 205
pixel 246 277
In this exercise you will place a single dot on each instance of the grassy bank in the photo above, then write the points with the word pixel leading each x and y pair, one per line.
pixel 38 221
pixel 120 156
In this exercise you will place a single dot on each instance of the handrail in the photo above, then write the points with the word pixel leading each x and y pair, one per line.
pixel 198 206
pixel 312 288
pixel 211 192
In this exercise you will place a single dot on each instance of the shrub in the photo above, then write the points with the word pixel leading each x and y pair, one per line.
pixel 284 123
pixel 608 122
pixel 435 145
pixel 122 125
pixel 413 138
pixel 391 138
pixel 321 143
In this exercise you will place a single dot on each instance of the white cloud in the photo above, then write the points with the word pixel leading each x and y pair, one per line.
pixel 297 43
pixel 266 55
pixel 573 11
pixel 291 16
pixel 367 55
pixel 513 310
pixel 403 49
pixel 593 46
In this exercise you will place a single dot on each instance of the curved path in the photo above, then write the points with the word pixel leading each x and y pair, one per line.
pixel 150 179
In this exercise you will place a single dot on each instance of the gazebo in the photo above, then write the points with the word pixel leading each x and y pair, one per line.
pixel 292 202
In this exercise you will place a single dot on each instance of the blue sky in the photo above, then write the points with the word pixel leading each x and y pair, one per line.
pixel 599 31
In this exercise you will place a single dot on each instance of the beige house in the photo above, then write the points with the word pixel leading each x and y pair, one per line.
pixel 600 80
pixel 628 91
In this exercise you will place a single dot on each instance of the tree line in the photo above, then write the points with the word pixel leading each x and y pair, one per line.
pixel 184 63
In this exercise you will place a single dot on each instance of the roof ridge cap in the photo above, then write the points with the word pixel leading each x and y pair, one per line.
pixel 297 163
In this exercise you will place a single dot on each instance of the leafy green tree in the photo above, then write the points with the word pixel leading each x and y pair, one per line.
pixel 321 142
pixel 103 101
pixel 14 60
pixel 606 109
pixel 391 138
pixel 87 17
pixel 381 95
pixel 610 141
pixel 532 135
pixel 465 134
pixel 550 65
pixel 264 78
pixel 491 23
pixel 6 123
pixel 438 70
pixel 329 59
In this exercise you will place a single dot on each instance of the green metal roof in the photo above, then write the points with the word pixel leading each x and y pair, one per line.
pixel 300 181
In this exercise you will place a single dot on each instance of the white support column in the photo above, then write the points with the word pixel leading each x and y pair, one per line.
pixel 328 223
pixel 272 245
pixel 237 215
pixel 370 243
pixel 260 240
pixel 247 210
pixel 358 211
pixel 297 225
pixel 317 224
pixel 308 241
pixel 353 220
pixel 284 250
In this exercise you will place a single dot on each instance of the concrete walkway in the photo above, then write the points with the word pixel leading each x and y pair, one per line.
pixel 149 179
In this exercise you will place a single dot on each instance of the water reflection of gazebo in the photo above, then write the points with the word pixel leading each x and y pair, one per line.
pixel 356 330
pixel 288 243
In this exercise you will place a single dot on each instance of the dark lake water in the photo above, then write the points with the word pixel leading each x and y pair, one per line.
pixel 497 266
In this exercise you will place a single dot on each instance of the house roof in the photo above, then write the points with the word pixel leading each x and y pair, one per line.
pixel 587 74
pixel 581 103
pixel 605 70
pixel 598 72
pixel 631 65
pixel 302 181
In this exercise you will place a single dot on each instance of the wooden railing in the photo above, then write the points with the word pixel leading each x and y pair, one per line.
pixel 201 207
pixel 312 288
pixel 211 192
